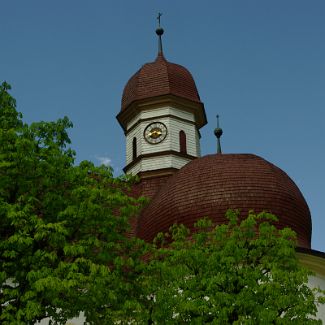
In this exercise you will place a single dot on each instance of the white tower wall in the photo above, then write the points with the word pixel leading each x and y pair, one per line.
pixel 175 120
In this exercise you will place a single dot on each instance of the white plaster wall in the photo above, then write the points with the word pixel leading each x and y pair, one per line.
pixel 153 163
pixel 315 282
pixel 135 169
pixel 143 147
pixel 171 142
pixel 198 147
pixel 156 112
pixel 175 127
pixel 136 132
pixel 74 321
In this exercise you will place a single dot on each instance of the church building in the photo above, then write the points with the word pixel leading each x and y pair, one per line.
pixel 161 116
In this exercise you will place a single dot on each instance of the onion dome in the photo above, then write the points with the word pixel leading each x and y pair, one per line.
pixel 209 186
pixel 160 78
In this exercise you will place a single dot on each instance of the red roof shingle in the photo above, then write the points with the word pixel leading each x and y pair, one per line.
pixel 210 185
pixel 159 78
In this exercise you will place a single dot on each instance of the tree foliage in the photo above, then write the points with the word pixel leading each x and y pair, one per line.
pixel 243 272
pixel 63 227
pixel 64 247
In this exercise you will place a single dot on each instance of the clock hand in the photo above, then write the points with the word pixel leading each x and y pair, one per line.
pixel 155 133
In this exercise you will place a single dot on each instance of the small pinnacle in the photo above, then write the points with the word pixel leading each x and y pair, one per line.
pixel 159 31
pixel 218 133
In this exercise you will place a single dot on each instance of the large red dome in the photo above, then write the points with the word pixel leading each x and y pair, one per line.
pixel 160 78
pixel 210 185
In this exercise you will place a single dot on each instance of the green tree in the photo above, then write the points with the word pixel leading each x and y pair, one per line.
pixel 243 272
pixel 63 228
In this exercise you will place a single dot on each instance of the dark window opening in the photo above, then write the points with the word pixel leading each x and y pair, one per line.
pixel 134 148
pixel 182 142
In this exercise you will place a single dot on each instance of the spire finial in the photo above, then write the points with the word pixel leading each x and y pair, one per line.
pixel 218 133
pixel 159 15
pixel 159 32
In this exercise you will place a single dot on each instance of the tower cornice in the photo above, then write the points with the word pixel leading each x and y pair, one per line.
pixel 157 154
pixel 196 108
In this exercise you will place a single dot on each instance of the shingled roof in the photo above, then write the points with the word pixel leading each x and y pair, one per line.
pixel 159 78
pixel 210 185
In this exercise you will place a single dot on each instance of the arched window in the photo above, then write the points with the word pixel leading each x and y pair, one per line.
pixel 182 142
pixel 134 148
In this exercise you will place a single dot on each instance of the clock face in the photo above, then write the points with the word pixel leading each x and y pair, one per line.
pixel 155 132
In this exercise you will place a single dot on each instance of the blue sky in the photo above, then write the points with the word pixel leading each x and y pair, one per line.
pixel 259 64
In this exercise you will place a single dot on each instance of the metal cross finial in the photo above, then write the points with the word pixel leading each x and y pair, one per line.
pixel 159 32
pixel 159 15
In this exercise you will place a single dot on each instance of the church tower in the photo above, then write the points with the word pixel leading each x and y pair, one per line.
pixel 161 115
